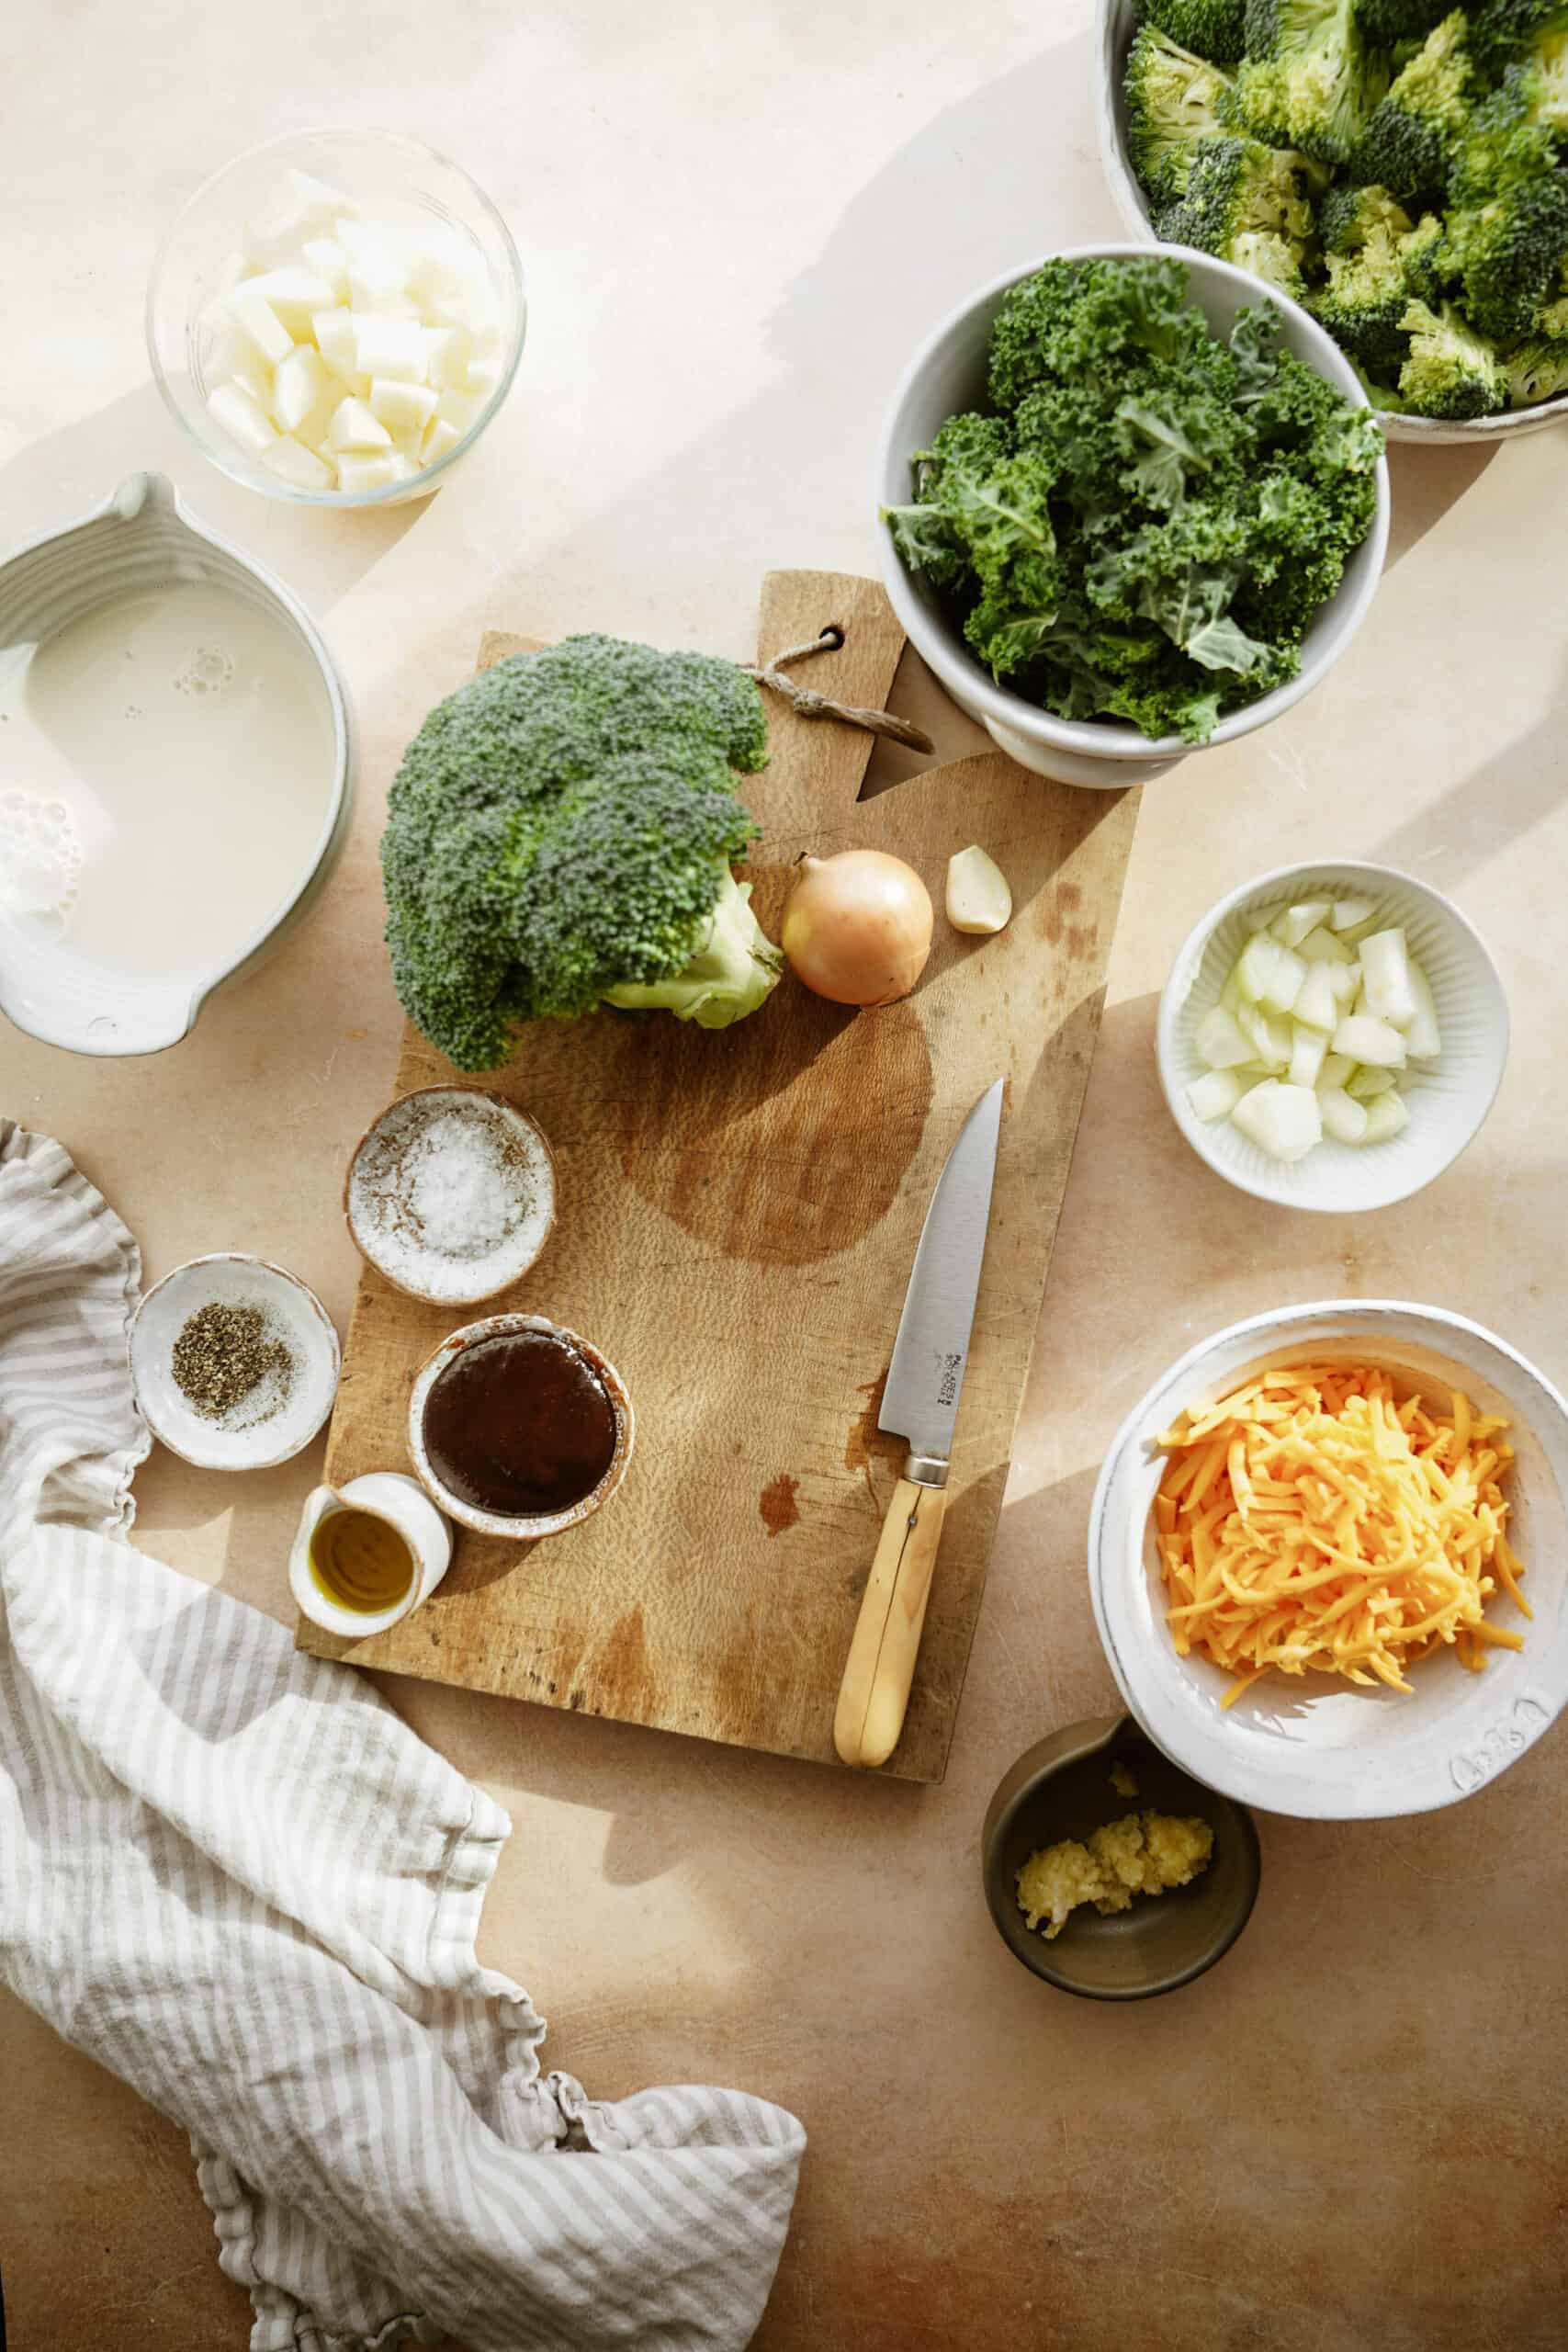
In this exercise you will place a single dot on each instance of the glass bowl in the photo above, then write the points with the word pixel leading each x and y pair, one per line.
pixel 393 180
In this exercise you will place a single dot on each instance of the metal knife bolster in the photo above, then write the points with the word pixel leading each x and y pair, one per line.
pixel 926 1469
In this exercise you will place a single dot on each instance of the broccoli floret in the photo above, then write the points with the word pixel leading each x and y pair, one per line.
pixel 1348 218
pixel 1399 23
pixel 1507 254
pixel 1451 371
pixel 1375 271
pixel 1173 101
pixel 1238 191
pixel 1269 258
pixel 1503 142
pixel 1428 259
pixel 1364 302
pixel 1536 370
pixel 1410 141
pixel 1310 80
pixel 561 834
pixel 1504 29
pixel 1212 29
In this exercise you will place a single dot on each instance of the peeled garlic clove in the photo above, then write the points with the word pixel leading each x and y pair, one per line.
pixel 978 899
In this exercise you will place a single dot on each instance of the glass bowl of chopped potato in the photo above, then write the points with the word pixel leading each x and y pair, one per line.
pixel 1328 1559
pixel 1110 1871
pixel 337 316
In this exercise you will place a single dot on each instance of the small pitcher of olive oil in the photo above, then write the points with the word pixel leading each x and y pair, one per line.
pixel 366 1554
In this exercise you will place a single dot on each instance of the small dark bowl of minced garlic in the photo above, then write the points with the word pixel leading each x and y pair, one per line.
pixel 1108 1871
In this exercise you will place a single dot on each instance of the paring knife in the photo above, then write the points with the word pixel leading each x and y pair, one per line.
pixel 920 1404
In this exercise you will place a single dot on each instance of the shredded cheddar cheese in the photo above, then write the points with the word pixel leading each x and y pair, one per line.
pixel 1309 1522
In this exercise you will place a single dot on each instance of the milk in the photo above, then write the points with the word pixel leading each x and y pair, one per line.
pixel 166 764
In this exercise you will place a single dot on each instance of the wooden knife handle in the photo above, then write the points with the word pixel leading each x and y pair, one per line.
pixel 875 1688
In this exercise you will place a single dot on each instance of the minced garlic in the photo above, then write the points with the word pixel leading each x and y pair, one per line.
pixel 1143 1853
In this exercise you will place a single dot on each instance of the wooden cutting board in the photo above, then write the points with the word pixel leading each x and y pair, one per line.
pixel 738 1217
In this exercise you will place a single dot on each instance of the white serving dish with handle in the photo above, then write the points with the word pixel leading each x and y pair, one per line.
pixel 144 536
pixel 947 375
pixel 1448 1098
pixel 1118 21
pixel 1308 1745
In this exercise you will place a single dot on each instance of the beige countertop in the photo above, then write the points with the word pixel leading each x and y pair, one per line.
pixel 737 222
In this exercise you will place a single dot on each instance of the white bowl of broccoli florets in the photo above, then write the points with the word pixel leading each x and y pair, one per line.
pixel 1400 167
pixel 1134 504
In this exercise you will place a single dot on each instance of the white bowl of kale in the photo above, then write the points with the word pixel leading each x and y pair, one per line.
pixel 1134 504
pixel 1400 167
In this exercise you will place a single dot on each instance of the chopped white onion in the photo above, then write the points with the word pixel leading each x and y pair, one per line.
pixel 1284 1121
pixel 1316 1025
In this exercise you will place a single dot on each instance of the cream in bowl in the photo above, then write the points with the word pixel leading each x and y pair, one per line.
pixel 451 1194
pixel 519 1428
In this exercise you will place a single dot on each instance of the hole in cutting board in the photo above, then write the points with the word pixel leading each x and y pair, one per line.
pixel 916 694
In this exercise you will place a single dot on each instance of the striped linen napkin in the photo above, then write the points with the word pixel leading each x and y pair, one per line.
pixel 234 1876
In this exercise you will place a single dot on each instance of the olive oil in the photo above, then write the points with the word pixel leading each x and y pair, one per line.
pixel 359 1562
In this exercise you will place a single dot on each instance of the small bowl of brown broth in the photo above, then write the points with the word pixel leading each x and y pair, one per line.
pixel 519 1428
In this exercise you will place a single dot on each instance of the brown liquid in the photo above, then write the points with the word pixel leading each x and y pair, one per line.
pixel 519 1424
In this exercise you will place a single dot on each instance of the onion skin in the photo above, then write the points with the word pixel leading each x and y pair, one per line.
pixel 857 929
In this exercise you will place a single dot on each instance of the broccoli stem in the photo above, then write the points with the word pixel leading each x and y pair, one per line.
pixel 731 973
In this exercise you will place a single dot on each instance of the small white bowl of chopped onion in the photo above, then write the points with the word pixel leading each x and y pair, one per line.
pixel 1314 1743
pixel 1332 1036
pixel 335 317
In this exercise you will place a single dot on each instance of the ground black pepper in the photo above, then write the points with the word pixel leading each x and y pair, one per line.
pixel 224 1353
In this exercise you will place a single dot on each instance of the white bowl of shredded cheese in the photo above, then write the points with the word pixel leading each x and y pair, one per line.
pixel 1312 1744
pixel 451 1194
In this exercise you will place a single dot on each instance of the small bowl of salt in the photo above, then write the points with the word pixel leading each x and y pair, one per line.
pixel 451 1194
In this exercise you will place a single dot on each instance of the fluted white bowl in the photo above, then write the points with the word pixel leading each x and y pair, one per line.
pixel 1449 1098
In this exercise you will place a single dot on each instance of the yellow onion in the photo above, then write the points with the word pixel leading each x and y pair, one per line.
pixel 858 927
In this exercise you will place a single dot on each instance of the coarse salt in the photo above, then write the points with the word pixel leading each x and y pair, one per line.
pixel 451 1195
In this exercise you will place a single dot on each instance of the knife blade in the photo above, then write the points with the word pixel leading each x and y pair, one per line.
pixel 920 1402
pixel 925 1379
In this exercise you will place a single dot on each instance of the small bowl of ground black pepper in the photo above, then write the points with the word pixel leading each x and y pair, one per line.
pixel 234 1363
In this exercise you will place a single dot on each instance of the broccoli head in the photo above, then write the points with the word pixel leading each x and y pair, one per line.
pixel 1236 191
pixel 1409 142
pixel 1310 80
pixel 1173 101
pixel 561 834
pixel 1212 28
pixel 1536 370
pixel 1507 254
pixel 1451 371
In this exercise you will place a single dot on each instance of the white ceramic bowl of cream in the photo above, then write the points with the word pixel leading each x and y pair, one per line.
pixel 230 880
